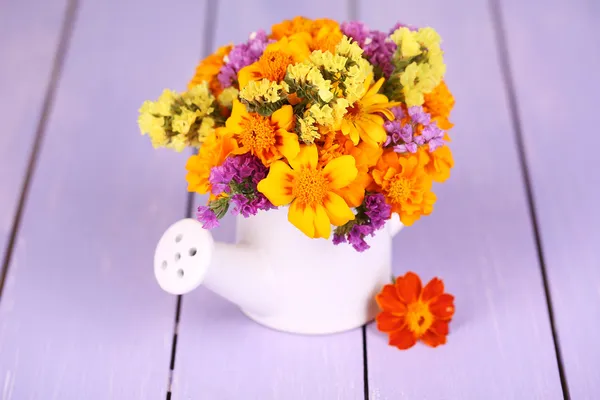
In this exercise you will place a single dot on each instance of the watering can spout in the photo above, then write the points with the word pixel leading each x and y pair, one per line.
pixel 187 256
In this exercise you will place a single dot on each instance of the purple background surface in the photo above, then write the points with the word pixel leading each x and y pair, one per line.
pixel 81 316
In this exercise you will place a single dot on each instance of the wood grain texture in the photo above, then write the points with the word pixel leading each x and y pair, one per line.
pixel 29 36
pixel 82 316
pixel 556 104
pixel 221 354
pixel 479 238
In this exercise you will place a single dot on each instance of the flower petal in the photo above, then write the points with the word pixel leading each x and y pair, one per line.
pixel 337 210
pixel 234 121
pixel 402 339
pixel 388 300
pixel 322 223
pixel 408 287
pixel 307 158
pixel 388 322
pixel 303 218
pixel 287 143
pixel 341 171
pixel 433 340
pixel 440 327
pixel 284 117
pixel 433 289
pixel 247 74
pixel 443 306
pixel 277 186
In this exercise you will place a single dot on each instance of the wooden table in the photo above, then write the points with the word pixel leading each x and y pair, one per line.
pixel 84 199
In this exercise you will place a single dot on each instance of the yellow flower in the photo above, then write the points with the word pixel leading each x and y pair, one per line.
pixel 268 138
pixel 274 61
pixel 263 90
pixel 309 190
pixel 308 130
pixel 227 96
pixel 362 120
pixel 304 73
pixel 425 72
pixel 178 120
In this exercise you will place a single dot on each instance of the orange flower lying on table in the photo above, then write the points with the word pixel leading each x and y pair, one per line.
pixel 410 312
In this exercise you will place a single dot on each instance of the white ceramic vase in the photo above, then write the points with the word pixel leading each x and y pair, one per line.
pixel 276 275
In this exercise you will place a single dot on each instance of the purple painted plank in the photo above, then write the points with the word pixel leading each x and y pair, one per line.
pixel 221 354
pixel 82 316
pixel 479 239
pixel 29 36
pixel 556 102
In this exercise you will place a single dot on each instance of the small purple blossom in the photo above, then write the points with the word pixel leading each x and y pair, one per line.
pixel 403 138
pixel 208 217
pixel 242 55
pixel 241 173
pixel 378 48
pixel 376 211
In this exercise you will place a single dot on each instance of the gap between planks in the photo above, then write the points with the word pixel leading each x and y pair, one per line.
pixel 55 74
pixel 505 69
pixel 207 44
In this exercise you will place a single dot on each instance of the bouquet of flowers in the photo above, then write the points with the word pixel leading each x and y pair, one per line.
pixel 343 124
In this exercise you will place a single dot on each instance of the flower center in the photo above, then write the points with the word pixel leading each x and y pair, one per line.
pixel 419 318
pixel 354 111
pixel 273 65
pixel 400 189
pixel 310 186
pixel 258 133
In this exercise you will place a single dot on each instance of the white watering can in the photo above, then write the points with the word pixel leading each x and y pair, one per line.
pixel 276 275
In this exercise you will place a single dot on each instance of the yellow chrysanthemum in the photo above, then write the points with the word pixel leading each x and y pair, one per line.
pixel 310 191
pixel 273 63
pixel 268 138
pixel 324 33
pixel 362 119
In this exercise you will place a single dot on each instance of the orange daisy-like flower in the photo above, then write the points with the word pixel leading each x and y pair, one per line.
pixel 324 33
pixel 405 184
pixel 438 163
pixel 336 144
pixel 208 69
pixel 268 138
pixel 439 104
pixel 274 61
pixel 410 312
pixel 212 153
pixel 363 119
pixel 310 190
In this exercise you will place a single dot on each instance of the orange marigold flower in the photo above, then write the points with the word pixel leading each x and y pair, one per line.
pixel 274 61
pixel 405 184
pixel 208 69
pixel 438 163
pixel 336 144
pixel 213 152
pixel 268 138
pixel 324 33
pixel 410 313
pixel 439 104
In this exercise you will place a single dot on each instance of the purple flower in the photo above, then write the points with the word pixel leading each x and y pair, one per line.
pixel 403 137
pixel 376 211
pixel 357 31
pixel 208 217
pixel 242 55
pixel 240 175
pixel 377 47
